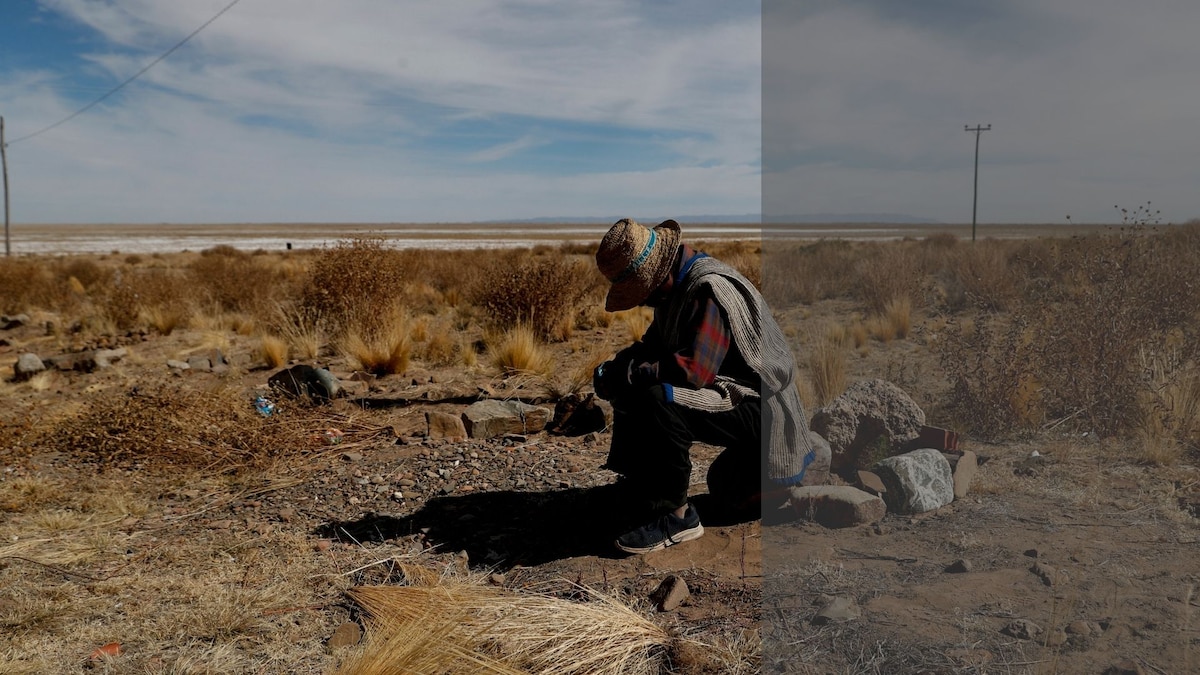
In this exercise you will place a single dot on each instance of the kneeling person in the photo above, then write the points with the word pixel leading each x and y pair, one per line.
pixel 713 367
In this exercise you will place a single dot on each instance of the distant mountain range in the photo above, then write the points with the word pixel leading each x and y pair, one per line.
pixel 898 218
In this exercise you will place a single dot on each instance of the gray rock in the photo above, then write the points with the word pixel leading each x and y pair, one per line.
pixel 444 425
pixel 106 357
pixel 831 506
pixel 27 366
pixel 960 566
pixel 838 610
pixel 817 473
pixel 916 481
pixel 10 322
pixel 177 364
pixel 199 363
pixel 871 419
pixel 488 419
pixel 304 381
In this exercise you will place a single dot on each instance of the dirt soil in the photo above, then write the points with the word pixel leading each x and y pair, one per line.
pixel 192 569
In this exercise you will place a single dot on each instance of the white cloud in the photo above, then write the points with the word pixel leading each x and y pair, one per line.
pixel 283 100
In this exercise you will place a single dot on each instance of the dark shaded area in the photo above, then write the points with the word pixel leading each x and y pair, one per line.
pixel 506 528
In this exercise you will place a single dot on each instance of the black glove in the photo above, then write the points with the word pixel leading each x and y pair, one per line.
pixel 610 379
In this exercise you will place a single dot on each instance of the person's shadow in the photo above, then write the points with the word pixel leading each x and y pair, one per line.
pixel 505 529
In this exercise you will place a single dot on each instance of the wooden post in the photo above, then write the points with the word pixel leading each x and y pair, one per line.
pixel 4 163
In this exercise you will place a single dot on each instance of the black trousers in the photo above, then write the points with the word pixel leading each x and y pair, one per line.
pixel 651 448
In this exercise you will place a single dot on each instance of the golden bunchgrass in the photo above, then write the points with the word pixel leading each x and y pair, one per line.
pixel 273 350
pixel 522 632
pixel 827 361
pixel 383 346
pixel 380 355
pixel 518 350
pixel 898 314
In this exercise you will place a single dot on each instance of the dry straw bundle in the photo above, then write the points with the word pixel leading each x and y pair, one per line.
pixel 456 626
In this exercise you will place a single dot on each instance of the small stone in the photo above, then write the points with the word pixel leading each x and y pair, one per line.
pixel 869 482
pixel 354 500
pixel 322 545
pixel 1022 629
pixel 398 495
pixel 670 594
pixel 1031 553
pixel 917 481
pixel 445 425
pixel 1079 628
pixel 288 515
pixel 352 456
pixel 496 579
pixel 27 366
pixel 838 610
pixel 199 363
pixel 960 566
pixel 406 482
pixel 591 438
pixel 177 364
pixel 1049 575
pixel 1125 667
pixel 11 322
pixel 347 635
pixel 378 480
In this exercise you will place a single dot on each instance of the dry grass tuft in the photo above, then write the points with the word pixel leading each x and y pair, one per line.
pixel 519 632
pixel 273 350
pixel 827 361
pixel 518 351
pixel 382 355
pixel 637 320
pixel 898 314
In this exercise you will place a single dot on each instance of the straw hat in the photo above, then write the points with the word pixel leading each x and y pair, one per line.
pixel 637 260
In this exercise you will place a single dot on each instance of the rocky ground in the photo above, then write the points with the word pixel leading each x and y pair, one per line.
pixel 1080 561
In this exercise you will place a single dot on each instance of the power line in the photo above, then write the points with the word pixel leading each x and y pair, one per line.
pixel 135 76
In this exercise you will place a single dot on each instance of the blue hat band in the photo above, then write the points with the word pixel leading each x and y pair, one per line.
pixel 638 261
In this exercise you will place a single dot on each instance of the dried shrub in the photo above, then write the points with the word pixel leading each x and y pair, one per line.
pixel 985 276
pixel 351 285
pixel 235 283
pixel 886 274
pixel 795 273
pixel 538 292
pixel 1096 311
pixel 218 429
pixel 27 284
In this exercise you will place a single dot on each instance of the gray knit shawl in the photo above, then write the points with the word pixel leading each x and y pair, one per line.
pixel 787 447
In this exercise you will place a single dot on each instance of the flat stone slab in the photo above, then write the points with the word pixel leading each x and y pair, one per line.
pixel 831 506
pixel 916 481
pixel 491 418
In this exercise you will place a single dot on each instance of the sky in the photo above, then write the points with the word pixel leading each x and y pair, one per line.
pixel 482 110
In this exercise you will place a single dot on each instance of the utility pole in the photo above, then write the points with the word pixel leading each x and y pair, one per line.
pixel 4 163
pixel 978 129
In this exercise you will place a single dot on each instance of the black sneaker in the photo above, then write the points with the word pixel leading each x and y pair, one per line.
pixel 666 530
